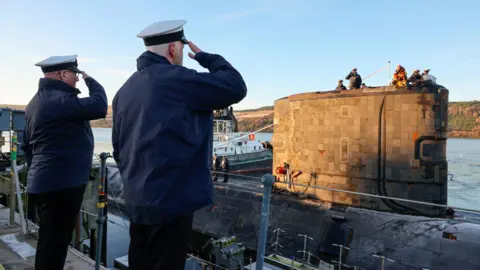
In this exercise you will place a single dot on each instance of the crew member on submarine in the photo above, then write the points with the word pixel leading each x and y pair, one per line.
pixel 415 79
pixel 162 138
pixel 340 86
pixel 355 79
pixel 426 77
pixel 400 77
pixel 58 144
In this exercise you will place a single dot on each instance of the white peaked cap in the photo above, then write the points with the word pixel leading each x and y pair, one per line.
pixel 56 63
pixel 163 32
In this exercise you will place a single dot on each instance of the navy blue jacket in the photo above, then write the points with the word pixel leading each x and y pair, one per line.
pixel 58 139
pixel 355 80
pixel 163 132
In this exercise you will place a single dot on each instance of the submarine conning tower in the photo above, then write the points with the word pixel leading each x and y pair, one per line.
pixel 378 140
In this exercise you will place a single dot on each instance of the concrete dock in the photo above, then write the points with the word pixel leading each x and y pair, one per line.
pixel 17 251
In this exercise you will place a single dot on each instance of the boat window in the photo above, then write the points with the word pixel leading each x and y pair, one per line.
pixel 239 143
pixel 225 149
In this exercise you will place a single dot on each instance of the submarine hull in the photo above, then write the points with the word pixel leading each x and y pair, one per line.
pixel 412 242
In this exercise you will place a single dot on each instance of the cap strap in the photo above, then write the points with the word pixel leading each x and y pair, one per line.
pixel 59 67
pixel 163 39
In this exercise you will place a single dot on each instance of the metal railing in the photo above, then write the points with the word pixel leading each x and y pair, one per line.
pixel 291 183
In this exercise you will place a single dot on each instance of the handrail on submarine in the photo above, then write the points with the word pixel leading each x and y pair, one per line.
pixel 461 209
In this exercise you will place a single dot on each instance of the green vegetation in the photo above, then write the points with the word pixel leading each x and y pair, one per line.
pixel 461 122
pixel 249 125
pixel 465 103
pixel 264 108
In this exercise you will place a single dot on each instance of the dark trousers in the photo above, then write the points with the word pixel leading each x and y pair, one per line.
pixel 225 176
pixel 57 212
pixel 160 247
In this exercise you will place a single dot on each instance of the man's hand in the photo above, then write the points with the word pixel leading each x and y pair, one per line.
pixel 194 49
pixel 85 75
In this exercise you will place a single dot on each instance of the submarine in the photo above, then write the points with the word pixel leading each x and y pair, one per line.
pixel 375 152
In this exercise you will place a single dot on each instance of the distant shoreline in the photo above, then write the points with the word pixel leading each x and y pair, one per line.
pixel 450 136
pixel 271 131
pixel 463 119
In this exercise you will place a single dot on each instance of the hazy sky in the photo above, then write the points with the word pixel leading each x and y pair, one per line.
pixel 281 47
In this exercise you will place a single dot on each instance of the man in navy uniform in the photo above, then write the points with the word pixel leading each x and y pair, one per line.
pixel 162 142
pixel 58 144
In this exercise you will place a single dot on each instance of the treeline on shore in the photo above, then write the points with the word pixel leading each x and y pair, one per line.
pixel 463 119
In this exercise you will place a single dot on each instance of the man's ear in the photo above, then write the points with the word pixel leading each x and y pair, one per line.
pixel 171 49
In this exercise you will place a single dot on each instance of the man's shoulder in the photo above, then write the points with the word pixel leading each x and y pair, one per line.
pixel 158 76
pixel 172 71
pixel 49 102
pixel 30 104
pixel 154 73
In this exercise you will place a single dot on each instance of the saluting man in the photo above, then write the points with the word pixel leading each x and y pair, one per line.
pixel 162 142
pixel 58 144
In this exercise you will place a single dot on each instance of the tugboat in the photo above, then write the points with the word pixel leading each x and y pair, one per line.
pixel 246 155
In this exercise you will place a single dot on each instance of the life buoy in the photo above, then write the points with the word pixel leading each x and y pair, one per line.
pixel 280 170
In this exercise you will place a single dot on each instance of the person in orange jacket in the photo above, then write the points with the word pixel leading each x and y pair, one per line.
pixel 400 77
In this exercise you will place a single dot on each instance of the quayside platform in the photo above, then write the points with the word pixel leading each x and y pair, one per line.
pixel 17 251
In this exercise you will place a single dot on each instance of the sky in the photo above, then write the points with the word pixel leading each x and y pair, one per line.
pixel 280 47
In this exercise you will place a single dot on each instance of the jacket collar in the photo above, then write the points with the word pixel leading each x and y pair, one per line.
pixel 148 59
pixel 51 84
